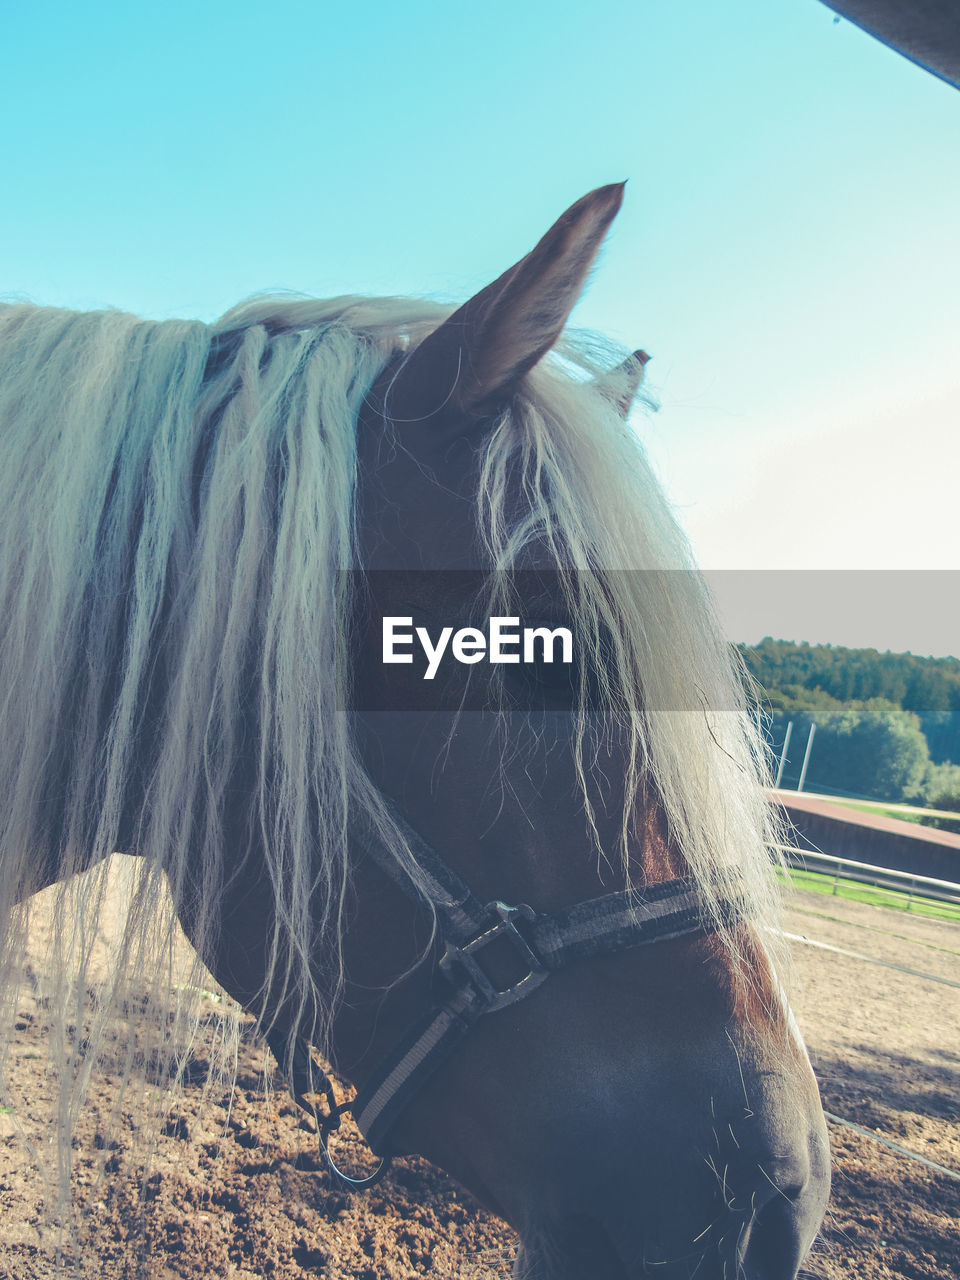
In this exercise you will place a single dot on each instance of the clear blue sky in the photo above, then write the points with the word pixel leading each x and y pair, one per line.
pixel 788 250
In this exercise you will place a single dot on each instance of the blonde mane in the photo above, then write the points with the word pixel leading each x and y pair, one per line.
pixel 177 503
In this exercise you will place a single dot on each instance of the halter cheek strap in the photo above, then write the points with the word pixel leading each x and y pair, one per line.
pixel 533 944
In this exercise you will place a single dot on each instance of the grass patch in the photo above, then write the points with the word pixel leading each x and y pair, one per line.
pixel 880 812
pixel 909 815
pixel 214 996
pixel 854 891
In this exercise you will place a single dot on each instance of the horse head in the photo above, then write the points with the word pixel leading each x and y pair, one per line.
pixel 557 873
pixel 647 1109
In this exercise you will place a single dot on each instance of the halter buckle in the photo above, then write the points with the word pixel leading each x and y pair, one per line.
pixel 495 997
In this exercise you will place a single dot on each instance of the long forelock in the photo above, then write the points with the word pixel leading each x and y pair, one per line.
pixel 670 686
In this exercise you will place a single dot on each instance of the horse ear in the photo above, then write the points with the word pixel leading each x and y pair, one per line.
pixel 477 356
pixel 622 383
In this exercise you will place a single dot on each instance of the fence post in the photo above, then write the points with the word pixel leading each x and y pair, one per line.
pixel 806 757
pixel 783 753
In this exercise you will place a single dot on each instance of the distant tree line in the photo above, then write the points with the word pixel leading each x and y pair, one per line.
pixel 887 724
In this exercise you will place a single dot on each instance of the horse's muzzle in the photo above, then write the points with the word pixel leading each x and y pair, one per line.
pixel 758 1227
pixel 737 1197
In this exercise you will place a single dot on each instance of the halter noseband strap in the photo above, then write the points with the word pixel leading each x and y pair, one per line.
pixel 540 943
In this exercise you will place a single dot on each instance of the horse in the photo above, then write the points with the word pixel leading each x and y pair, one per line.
pixel 527 908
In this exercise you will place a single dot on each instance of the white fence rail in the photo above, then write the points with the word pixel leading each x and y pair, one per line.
pixel 880 877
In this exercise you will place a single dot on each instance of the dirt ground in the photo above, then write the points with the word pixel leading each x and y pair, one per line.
pixel 234 1187
pixel 886 1049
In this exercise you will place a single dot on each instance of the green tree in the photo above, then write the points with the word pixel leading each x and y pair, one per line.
pixel 876 748
pixel 951 800
pixel 872 752
pixel 871 749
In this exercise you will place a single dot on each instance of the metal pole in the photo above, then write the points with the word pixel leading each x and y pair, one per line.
pixel 783 753
pixel 806 757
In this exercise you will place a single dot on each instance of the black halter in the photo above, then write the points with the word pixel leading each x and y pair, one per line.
pixel 541 943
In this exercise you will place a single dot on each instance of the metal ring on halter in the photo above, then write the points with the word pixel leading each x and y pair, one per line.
pixel 308 1084
pixel 329 1124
